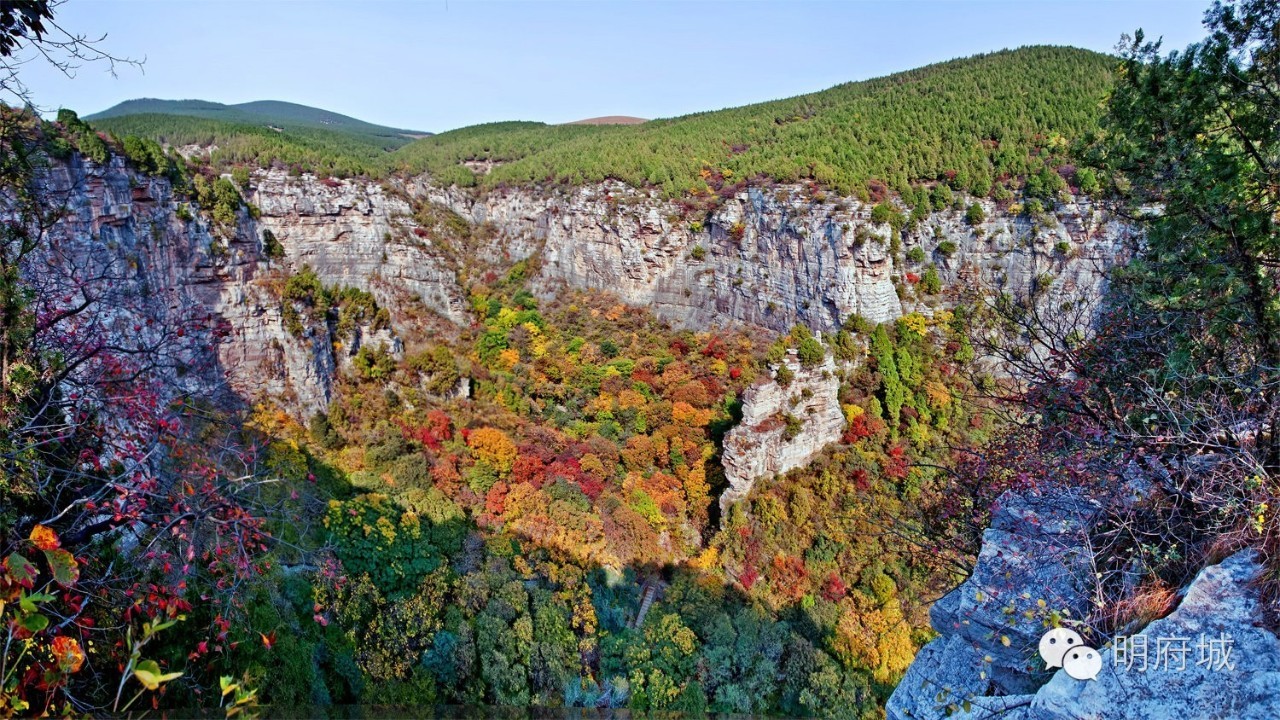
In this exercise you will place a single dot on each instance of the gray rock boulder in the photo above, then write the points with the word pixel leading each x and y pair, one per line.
pixel 1034 560
pixel 1209 658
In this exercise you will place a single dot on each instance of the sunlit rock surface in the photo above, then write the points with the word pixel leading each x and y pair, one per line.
pixel 758 446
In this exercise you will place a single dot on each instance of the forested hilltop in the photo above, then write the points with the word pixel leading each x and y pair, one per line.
pixel 977 120
pixel 274 113
pixel 973 122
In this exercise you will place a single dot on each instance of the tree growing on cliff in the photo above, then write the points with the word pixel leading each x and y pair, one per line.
pixel 810 352
pixel 1195 133
pixel 1172 375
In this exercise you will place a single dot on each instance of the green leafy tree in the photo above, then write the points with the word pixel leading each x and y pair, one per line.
pixel 930 282
pixel 1195 131
pixel 975 214
pixel 811 352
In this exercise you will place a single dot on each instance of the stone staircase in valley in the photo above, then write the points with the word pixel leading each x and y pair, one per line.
pixel 652 591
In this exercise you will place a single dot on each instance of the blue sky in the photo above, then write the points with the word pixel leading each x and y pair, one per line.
pixel 436 65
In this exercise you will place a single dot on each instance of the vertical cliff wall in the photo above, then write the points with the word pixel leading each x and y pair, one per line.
pixel 176 262
pixel 355 233
pixel 783 426
pixel 771 257
pixel 775 257
pixel 178 266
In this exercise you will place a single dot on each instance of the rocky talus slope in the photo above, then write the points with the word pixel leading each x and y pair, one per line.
pixel 761 445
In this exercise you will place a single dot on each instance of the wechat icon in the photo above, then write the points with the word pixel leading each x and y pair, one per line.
pixel 1064 648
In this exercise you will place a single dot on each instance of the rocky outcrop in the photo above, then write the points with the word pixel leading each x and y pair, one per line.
pixel 1035 559
pixel 775 257
pixel 355 233
pixel 1231 667
pixel 176 266
pixel 174 270
pixel 763 444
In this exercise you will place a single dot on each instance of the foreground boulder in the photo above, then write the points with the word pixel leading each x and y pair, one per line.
pixel 1210 658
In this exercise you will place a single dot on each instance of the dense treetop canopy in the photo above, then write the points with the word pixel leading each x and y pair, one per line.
pixel 979 117
pixel 971 121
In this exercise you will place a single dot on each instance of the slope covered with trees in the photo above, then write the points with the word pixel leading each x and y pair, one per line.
pixel 244 144
pixel 972 122
pixel 275 113
pixel 519 531
pixel 978 119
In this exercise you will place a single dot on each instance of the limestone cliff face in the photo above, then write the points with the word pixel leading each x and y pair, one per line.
pixel 356 233
pixel 176 263
pixel 129 224
pixel 770 257
pixel 761 445
pixel 774 257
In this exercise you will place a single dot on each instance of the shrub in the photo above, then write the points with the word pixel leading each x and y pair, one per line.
pixel 793 426
pixel 811 352
pixel 930 283
pixel 886 213
pixel 374 364
pixel 941 196
pixel 856 323
pixel 1087 181
pixel 271 247
pixel 240 176
pixel 947 248
pixel 785 376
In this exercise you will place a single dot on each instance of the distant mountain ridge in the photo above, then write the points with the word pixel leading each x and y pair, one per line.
pixel 276 113
pixel 610 120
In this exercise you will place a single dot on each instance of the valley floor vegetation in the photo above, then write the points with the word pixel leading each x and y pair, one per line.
pixel 522 512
